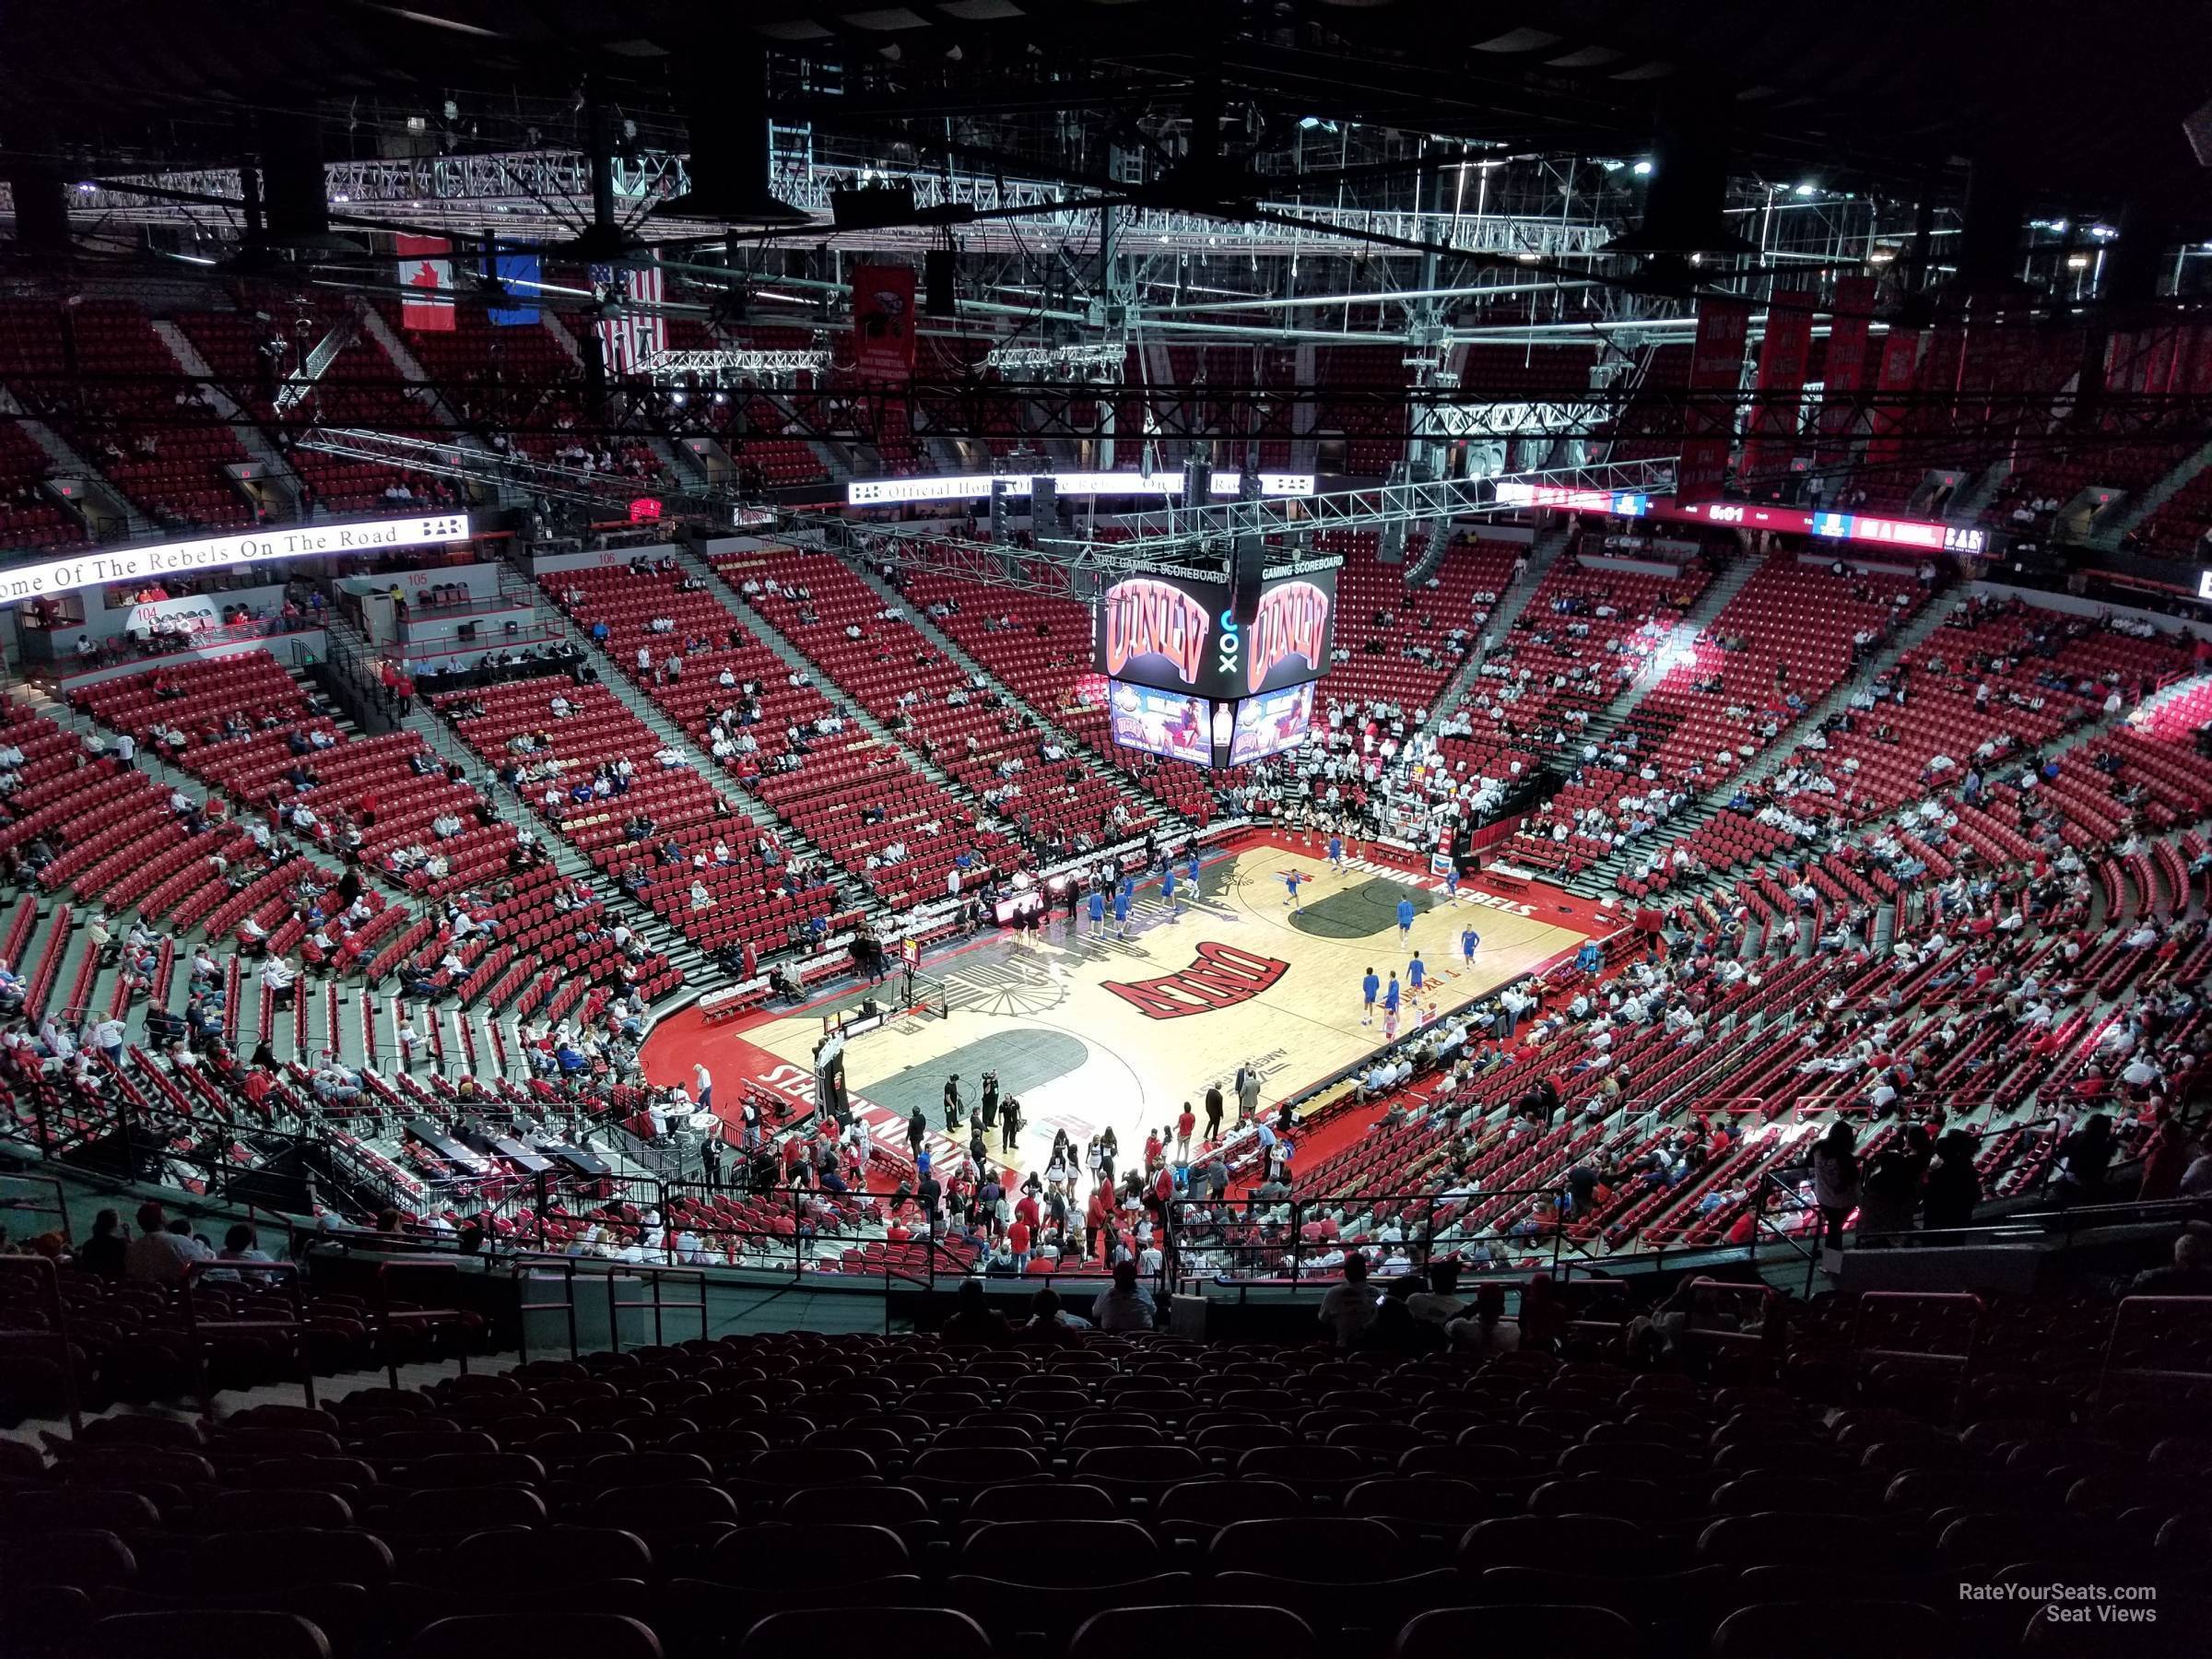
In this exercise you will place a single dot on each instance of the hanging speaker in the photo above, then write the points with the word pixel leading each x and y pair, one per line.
pixel 940 293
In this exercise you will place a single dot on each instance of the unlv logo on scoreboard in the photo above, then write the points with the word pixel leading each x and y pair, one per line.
pixel 1293 621
pixel 1143 617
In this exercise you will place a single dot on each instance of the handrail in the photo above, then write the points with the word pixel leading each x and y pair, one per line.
pixel 654 1279
pixel 49 1277
pixel 196 1272
pixel 60 1207
pixel 388 1318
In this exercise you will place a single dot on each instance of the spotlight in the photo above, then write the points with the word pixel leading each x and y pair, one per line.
pixel 1643 170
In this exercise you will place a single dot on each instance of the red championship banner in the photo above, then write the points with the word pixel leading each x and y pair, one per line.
pixel 1716 370
pixel 1845 374
pixel 883 321
pixel 1772 437
pixel 1901 359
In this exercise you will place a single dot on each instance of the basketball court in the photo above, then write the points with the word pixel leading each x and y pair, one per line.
pixel 1090 1031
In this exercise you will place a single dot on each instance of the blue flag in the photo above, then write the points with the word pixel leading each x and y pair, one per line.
pixel 520 272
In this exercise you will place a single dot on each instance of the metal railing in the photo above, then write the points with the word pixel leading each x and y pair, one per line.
pixel 290 1274
pixel 47 1281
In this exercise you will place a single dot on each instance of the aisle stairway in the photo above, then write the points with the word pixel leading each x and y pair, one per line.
pixel 921 623
pixel 1718 591
pixel 1544 552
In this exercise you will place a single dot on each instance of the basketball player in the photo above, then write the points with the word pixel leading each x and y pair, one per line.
pixel 1098 912
pixel 1451 881
pixel 1367 987
pixel 1120 907
pixel 1417 972
pixel 1469 943
pixel 1291 879
pixel 1167 893
pixel 1405 920
pixel 1190 871
pixel 1391 997
pixel 1337 850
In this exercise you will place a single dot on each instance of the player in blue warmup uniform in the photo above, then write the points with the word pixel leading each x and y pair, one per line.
pixel 1167 893
pixel 1469 943
pixel 1190 870
pixel 1416 973
pixel 1335 850
pixel 1098 912
pixel 1404 919
pixel 1452 883
pixel 1389 997
pixel 1367 987
pixel 1121 909
pixel 1291 879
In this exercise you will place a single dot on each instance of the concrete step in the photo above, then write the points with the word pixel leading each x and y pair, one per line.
pixel 789 651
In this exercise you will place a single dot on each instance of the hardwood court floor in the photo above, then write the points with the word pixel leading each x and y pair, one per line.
pixel 1089 1031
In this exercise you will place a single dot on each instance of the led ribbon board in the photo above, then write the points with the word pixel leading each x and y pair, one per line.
pixel 966 486
pixel 214 552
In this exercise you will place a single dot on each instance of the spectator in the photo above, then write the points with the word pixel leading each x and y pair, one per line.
pixel 1439 1303
pixel 2190 1275
pixel 1835 1181
pixel 1488 1332
pixel 1050 1325
pixel 1126 1305
pixel 1953 1186
pixel 104 1253
pixel 240 1245
pixel 157 1256
pixel 2083 1157
pixel 1348 1309
pixel 973 1320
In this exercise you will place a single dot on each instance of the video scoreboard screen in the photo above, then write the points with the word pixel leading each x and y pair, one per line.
pixel 1269 725
pixel 1178 632
pixel 1161 722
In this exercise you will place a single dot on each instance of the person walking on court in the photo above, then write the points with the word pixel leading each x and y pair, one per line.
pixel 1451 882
pixel 1120 908
pixel 1469 943
pixel 1186 1125
pixel 1248 1094
pixel 1009 1125
pixel 1417 975
pixel 1367 987
pixel 952 1102
pixel 1391 995
pixel 1405 920
pixel 917 1131
pixel 1335 850
pixel 1190 872
pixel 1213 1112
pixel 1167 893
pixel 1098 912
pixel 1291 880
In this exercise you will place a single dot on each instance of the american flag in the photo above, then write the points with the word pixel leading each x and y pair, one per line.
pixel 641 332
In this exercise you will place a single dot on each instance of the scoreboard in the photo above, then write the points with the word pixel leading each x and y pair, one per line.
pixel 1190 679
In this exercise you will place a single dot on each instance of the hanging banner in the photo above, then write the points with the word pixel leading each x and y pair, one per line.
pixel 637 332
pixel 1886 419
pixel 1716 370
pixel 1844 374
pixel 518 272
pixel 1772 439
pixel 883 321
pixel 426 271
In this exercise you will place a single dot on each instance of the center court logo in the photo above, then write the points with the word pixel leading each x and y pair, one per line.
pixel 1222 977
